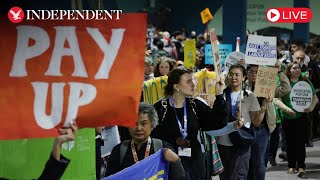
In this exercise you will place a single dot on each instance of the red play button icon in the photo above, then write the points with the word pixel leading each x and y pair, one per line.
pixel 273 15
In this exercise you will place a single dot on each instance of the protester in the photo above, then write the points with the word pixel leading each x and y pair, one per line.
pixel 235 158
pixel 57 163
pixel 148 69
pixel 282 88
pixel 181 117
pixel 267 123
pixel 142 145
pixel 163 67
pixel 294 124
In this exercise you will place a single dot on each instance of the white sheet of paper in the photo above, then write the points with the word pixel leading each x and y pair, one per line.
pixel 184 152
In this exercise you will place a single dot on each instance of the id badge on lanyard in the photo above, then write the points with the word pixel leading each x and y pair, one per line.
pixel 182 151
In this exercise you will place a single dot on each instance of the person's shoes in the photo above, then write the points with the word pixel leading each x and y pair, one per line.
pixel 292 171
pixel 301 172
pixel 283 155
pixel 309 144
pixel 273 162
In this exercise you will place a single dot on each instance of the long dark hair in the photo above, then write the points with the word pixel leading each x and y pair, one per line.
pixel 174 77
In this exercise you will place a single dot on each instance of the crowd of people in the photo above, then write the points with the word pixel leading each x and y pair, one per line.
pixel 174 122
pixel 273 119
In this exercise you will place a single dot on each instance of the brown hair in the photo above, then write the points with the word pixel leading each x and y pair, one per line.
pixel 160 60
pixel 174 77
pixel 287 71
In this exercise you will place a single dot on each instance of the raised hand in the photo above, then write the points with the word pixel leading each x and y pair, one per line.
pixel 220 86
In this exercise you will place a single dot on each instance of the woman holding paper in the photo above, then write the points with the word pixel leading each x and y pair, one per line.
pixel 294 123
pixel 235 149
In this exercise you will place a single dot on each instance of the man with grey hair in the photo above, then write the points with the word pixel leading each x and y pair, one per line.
pixel 299 57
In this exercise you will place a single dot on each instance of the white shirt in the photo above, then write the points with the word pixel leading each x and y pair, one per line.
pixel 248 104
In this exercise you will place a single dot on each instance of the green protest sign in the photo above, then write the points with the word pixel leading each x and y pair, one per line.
pixel 25 159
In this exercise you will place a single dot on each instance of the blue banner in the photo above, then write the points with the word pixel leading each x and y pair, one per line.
pixel 208 54
pixel 224 50
pixel 153 167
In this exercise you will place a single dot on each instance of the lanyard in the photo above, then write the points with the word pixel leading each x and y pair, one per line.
pixel 233 111
pixel 183 130
pixel 134 152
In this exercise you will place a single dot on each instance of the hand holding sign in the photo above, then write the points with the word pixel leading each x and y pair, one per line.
pixel 220 86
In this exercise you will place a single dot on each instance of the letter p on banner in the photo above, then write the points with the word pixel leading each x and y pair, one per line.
pixel 53 72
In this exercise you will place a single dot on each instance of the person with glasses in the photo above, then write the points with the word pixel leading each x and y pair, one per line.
pixel 294 124
pixel 235 158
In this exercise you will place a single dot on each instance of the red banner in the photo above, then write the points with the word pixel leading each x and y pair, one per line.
pixel 55 71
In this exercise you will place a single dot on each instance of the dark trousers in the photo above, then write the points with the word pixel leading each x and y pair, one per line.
pixel 283 139
pixel 257 166
pixel 295 136
pixel 316 118
pixel 235 163
pixel 309 127
pixel 274 142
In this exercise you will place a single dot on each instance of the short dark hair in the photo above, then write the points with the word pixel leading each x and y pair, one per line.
pixel 160 44
pixel 177 33
pixel 249 66
pixel 174 77
pixel 238 66
pixel 299 43
pixel 311 49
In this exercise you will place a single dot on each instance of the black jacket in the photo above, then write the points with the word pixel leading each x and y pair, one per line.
pixel 54 169
pixel 199 116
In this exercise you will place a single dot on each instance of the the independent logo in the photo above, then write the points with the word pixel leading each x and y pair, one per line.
pixel 16 14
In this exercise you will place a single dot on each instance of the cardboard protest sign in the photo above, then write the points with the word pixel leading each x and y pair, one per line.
pixel 301 96
pixel 208 54
pixel 29 156
pixel 233 59
pixel 151 168
pixel 261 50
pixel 53 72
pixel 206 15
pixel 215 52
pixel 224 51
pixel 189 53
pixel 265 82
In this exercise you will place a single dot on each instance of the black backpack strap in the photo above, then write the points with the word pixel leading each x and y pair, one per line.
pixel 164 108
pixel 123 149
